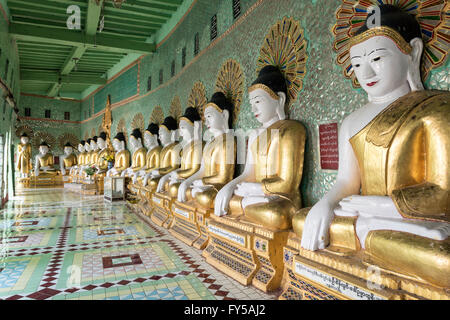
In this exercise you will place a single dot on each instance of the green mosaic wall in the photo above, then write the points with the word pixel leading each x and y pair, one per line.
pixel 8 52
pixel 326 96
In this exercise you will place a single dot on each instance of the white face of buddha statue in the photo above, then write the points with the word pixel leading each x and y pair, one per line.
pixel 165 135
pixel 94 145
pixel 382 68
pixel 266 108
pixel 24 140
pixel 216 121
pixel 80 147
pixel 68 151
pixel 101 143
pixel 135 142
pixel 87 147
pixel 186 130
pixel 43 150
pixel 150 139
pixel 118 145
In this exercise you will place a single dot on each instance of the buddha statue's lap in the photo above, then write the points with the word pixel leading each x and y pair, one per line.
pixel 401 219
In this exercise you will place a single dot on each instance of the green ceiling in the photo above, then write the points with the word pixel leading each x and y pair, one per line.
pixel 57 61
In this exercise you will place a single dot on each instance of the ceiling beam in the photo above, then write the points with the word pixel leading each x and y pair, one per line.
pixel 93 17
pixel 55 77
pixel 74 38
pixel 72 59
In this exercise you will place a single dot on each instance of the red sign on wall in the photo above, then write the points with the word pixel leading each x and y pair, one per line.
pixel 328 139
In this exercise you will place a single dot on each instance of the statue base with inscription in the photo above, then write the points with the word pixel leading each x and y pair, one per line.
pixel 162 214
pixel 46 180
pixel 245 251
pixel 332 275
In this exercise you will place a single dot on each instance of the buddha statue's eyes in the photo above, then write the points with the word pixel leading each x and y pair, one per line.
pixel 376 59
pixel 356 65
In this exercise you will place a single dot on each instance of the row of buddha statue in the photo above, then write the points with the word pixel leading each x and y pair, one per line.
pixel 389 206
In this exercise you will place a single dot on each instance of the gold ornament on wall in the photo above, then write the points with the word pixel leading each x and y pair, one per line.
pixel 157 115
pixel 138 122
pixel 121 127
pixel 432 16
pixel 41 136
pixel 197 97
pixel 230 81
pixel 25 129
pixel 175 108
pixel 68 137
pixel 285 47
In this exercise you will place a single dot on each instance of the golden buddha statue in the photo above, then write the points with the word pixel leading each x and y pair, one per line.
pixel 44 163
pixel 24 156
pixel 81 160
pixel 102 164
pixel 390 201
pixel 253 212
pixel 169 156
pixel 191 153
pixel 139 154
pixel 196 194
pixel 122 159
pixel 68 160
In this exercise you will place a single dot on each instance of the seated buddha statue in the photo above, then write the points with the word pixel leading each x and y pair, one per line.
pixel 267 192
pixel 139 153
pixel 68 159
pixel 102 164
pixel 218 161
pixel 93 153
pixel 191 146
pixel 80 158
pixel 24 156
pixel 87 158
pixel 44 164
pixel 169 156
pixel 122 158
pixel 394 168
pixel 152 158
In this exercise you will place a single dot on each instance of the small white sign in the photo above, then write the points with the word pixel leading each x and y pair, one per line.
pixel 228 235
pixel 181 212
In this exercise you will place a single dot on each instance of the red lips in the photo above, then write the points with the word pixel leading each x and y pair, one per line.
pixel 370 84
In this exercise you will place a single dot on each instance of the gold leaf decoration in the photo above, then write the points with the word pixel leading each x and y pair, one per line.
pixel 175 108
pixel 285 47
pixel 25 129
pixel 121 127
pixel 41 136
pixel 230 81
pixel 138 122
pixel 197 97
pixel 157 115
pixel 68 137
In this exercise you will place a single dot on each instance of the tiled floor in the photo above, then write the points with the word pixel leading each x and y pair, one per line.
pixel 56 244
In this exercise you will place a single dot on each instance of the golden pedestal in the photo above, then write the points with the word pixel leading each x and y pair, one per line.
pixel 247 252
pixel 43 180
pixel 327 275
pixel 161 204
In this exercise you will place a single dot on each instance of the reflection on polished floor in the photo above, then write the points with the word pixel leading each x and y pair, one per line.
pixel 58 245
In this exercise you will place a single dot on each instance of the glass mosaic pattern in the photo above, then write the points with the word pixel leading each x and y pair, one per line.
pixel 58 245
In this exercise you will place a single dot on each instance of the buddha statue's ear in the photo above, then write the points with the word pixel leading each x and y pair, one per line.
pixel 413 77
pixel 281 105
pixel 226 117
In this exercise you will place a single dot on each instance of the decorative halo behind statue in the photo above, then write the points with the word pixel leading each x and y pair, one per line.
pixel 157 115
pixel 25 129
pixel 230 81
pixel 175 107
pixel 43 136
pixel 86 135
pixel 431 15
pixel 138 122
pixel 121 127
pixel 285 48
pixel 68 137
pixel 93 133
pixel 197 98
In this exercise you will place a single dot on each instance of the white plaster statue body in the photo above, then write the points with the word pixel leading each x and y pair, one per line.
pixel 267 111
pixel 118 147
pixel 386 74
pixel 67 152
pixel 101 143
pixel 75 168
pixel 43 150
pixel 87 149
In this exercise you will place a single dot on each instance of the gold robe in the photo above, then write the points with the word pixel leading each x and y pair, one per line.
pixel 47 161
pixel 122 161
pixel 70 161
pixel 169 161
pixel 278 154
pixel 138 161
pixel 24 158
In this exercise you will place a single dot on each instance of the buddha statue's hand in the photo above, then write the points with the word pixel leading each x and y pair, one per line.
pixel 317 223
pixel 145 181
pixel 182 191
pixel 378 206
pixel 198 183
pixel 223 198
pixel 249 189
pixel 162 182
pixel 63 171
